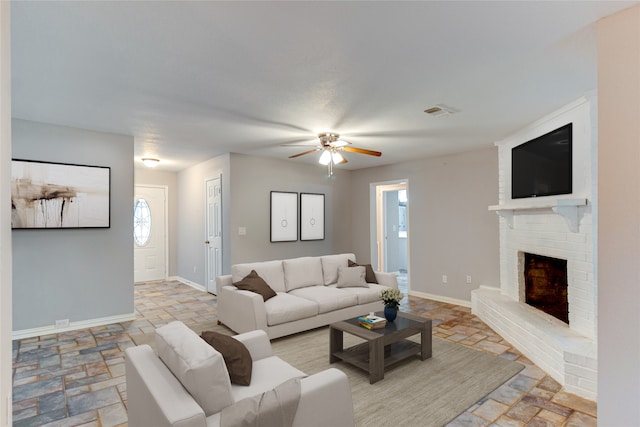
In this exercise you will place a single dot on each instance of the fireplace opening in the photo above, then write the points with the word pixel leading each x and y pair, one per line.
pixel 546 285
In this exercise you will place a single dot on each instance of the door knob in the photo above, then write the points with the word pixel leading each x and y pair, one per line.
pixel 206 242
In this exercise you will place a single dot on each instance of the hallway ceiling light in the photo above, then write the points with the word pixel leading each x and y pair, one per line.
pixel 150 162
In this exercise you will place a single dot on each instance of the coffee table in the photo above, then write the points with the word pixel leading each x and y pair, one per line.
pixel 383 347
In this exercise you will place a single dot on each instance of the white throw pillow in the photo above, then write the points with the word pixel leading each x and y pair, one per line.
pixel 270 271
pixel 302 272
pixel 197 365
pixel 349 277
pixel 330 265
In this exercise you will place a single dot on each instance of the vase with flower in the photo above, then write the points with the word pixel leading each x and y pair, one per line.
pixel 391 299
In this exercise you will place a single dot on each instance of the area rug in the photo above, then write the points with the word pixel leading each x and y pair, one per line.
pixel 426 393
pixel 413 393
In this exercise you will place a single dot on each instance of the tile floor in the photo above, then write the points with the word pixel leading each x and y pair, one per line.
pixel 77 378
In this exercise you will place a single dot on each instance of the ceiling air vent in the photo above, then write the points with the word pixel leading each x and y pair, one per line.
pixel 439 110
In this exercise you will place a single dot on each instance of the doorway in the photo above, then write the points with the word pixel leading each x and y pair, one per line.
pixel 150 233
pixel 390 229
pixel 213 231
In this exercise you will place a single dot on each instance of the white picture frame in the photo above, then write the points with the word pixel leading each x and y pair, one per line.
pixel 284 216
pixel 311 216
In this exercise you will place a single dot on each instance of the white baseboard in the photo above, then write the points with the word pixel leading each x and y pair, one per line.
pixel 188 282
pixel 441 298
pixel 72 326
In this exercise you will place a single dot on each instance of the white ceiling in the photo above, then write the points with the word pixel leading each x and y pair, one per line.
pixel 192 80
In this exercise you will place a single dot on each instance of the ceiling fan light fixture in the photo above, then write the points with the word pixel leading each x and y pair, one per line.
pixel 325 158
pixel 150 162
pixel 337 158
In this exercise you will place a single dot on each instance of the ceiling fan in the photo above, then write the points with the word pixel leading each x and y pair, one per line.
pixel 331 146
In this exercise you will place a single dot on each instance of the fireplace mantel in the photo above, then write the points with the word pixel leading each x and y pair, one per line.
pixel 567 208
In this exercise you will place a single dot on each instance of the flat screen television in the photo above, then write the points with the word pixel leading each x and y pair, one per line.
pixel 543 166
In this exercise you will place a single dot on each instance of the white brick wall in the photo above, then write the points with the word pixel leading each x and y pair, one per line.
pixel 546 233
pixel 566 353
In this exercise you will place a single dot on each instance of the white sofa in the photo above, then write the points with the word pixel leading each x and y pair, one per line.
pixel 189 385
pixel 307 295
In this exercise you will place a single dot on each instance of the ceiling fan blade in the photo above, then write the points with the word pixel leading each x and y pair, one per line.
pixel 343 161
pixel 300 143
pixel 303 153
pixel 362 151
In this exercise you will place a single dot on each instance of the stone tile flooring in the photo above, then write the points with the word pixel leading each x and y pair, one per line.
pixel 77 378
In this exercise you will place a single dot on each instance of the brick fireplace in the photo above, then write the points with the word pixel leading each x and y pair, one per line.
pixel 560 337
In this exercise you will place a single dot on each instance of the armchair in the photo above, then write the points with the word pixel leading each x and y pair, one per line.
pixel 160 392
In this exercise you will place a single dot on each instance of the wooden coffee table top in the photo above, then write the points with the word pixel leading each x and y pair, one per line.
pixel 404 322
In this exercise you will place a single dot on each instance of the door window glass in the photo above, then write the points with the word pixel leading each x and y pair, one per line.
pixel 141 222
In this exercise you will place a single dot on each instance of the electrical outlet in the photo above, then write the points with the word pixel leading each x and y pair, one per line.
pixel 242 231
pixel 444 278
pixel 468 279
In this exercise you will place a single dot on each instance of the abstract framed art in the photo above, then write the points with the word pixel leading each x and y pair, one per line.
pixel 284 216
pixel 59 195
pixel 311 216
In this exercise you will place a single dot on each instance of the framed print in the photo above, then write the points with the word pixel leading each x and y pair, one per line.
pixel 59 195
pixel 311 216
pixel 284 216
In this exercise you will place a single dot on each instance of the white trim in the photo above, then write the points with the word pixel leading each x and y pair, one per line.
pixel 189 283
pixel 440 298
pixel 378 246
pixel 207 260
pixel 73 326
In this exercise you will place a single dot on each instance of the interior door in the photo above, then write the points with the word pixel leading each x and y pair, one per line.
pixel 149 233
pixel 213 240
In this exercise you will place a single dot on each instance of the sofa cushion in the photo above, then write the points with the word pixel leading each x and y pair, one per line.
pixel 366 295
pixel 349 277
pixel 236 356
pixel 370 276
pixel 328 298
pixel 267 374
pixel 270 271
pixel 286 308
pixel 302 272
pixel 197 365
pixel 330 265
pixel 254 283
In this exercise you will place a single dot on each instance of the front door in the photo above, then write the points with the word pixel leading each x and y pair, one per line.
pixel 149 234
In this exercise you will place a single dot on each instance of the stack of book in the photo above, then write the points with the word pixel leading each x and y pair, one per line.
pixel 372 322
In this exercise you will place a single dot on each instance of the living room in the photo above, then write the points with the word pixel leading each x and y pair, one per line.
pixel 451 229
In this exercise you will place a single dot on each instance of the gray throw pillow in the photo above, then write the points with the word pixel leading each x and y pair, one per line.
pixel 370 276
pixel 350 277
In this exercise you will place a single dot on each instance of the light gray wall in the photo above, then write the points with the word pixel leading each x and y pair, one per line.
pixel 618 224
pixel 252 180
pixel 450 229
pixel 191 218
pixel 75 274
pixel 6 364
pixel 145 176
